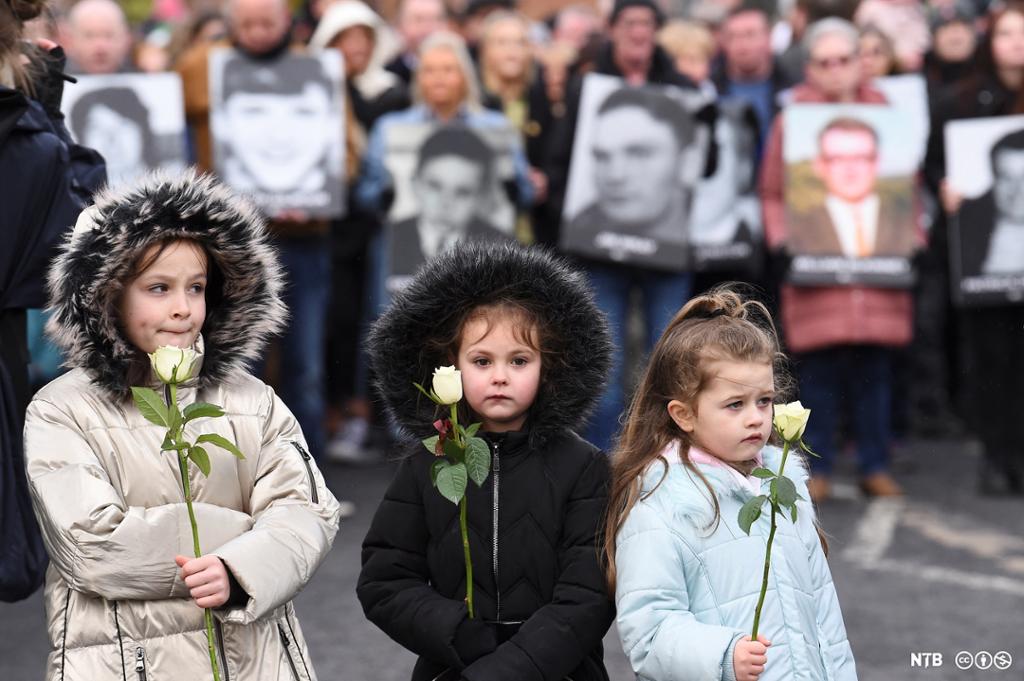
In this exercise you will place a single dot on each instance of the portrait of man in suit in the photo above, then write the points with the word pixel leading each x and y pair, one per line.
pixel 453 183
pixel 992 225
pixel 855 220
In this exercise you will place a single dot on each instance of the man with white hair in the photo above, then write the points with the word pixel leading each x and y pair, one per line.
pixel 842 337
pixel 97 39
pixel 417 19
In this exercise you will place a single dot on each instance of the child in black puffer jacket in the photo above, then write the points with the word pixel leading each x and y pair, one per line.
pixel 534 351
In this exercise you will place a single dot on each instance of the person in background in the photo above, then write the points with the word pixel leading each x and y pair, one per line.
pixel 632 54
pixel 203 28
pixel 906 24
pixel 46 181
pixel 557 61
pixel 747 69
pixel 515 86
pixel 352 28
pixel 954 42
pixel 261 30
pixel 989 375
pixel 472 18
pixel 692 46
pixel 841 337
pixel 417 19
pixel 574 24
pixel 877 57
pixel 97 38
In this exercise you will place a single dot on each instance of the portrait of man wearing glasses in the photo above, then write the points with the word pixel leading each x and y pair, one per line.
pixel 855 219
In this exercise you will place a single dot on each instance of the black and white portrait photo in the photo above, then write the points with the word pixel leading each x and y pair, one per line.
pixel 725 218
pixel 278 130
pixel 987 240
pixel 136 121
pixel 450 185
pixel 850 195
pixel 635 160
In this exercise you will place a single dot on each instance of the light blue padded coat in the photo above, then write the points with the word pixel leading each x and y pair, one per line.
pixel 686 590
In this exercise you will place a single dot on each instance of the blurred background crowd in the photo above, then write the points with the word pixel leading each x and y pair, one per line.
pixel 879 365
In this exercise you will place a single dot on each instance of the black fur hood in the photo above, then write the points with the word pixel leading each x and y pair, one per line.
pixel 120 225
pixel 473 274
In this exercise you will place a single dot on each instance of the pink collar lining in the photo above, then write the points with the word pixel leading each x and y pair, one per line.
pixel 672 455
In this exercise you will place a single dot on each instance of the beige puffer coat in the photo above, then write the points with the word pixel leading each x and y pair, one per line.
pixel 110 503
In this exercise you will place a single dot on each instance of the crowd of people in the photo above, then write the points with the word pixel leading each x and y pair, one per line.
pixel 486 64
pixel 177 259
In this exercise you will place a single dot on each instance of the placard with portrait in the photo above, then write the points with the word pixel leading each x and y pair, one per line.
pixel 985 166
pixel 278 130
pixel 637 154
pixel 451 183
pixel 135 120
pixel 849 192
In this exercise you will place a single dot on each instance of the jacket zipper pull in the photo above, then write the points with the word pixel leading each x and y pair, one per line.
pixel 306 458
pixel 140 663
pixel 284 636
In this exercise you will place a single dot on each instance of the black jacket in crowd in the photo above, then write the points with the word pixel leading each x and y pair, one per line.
pixel 539 590
pixel 45 181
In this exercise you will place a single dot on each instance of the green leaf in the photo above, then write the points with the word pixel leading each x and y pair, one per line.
pixel 168 445
pixel 750 512
pixel 451 482
pixel 431 444
pixel 763 473
pixel 201 459
pixel 174 422
pixel 478 460
pixel 200 409
pixel 221 442
pixel 430 395
pixel 151 406
pixel 471 431
pixel 792 512
pixel 435 468
pixel 785 491
pixel 804 447
pixel 454 451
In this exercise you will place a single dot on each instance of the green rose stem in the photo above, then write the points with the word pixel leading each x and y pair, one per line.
pixel 463 525
pixel 768 551
pixel 187 486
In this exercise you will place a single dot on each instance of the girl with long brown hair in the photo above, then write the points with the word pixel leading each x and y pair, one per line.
pixel 686 577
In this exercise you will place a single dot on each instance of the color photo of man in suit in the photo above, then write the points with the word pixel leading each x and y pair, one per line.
pixel 855 220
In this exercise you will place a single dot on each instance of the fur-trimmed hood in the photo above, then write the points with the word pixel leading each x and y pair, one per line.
pixel 120 225
pixel 477 273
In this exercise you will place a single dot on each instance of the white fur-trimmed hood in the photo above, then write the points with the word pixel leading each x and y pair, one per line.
pixel 120 225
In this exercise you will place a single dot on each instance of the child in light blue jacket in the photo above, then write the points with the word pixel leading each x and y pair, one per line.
pixel 686 577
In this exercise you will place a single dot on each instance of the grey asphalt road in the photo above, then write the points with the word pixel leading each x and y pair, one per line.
pixel 940 572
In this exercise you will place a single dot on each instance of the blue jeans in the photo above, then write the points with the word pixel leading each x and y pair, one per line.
pixel 850 379
pixel 307 265
pixel 663 294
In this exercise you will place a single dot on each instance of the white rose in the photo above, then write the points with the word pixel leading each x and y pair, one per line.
pixel 447 385
pixel 790 420
pixel 171 364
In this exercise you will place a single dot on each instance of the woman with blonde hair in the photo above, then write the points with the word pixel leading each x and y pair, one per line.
pixel 692 47
pixel 514 84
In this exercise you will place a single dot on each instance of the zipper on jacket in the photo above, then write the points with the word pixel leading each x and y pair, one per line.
pixel 120 644
pixel 140 663
pixel 309 470
pixel 64 636
pixel 298 650
pixel 287 651
pixel 219 629
pixel 496 467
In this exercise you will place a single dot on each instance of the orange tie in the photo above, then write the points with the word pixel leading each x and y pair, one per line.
pixel 863 247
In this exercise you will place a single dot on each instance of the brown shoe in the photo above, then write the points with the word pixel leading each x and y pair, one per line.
pixel 880 485
pixel 819 488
